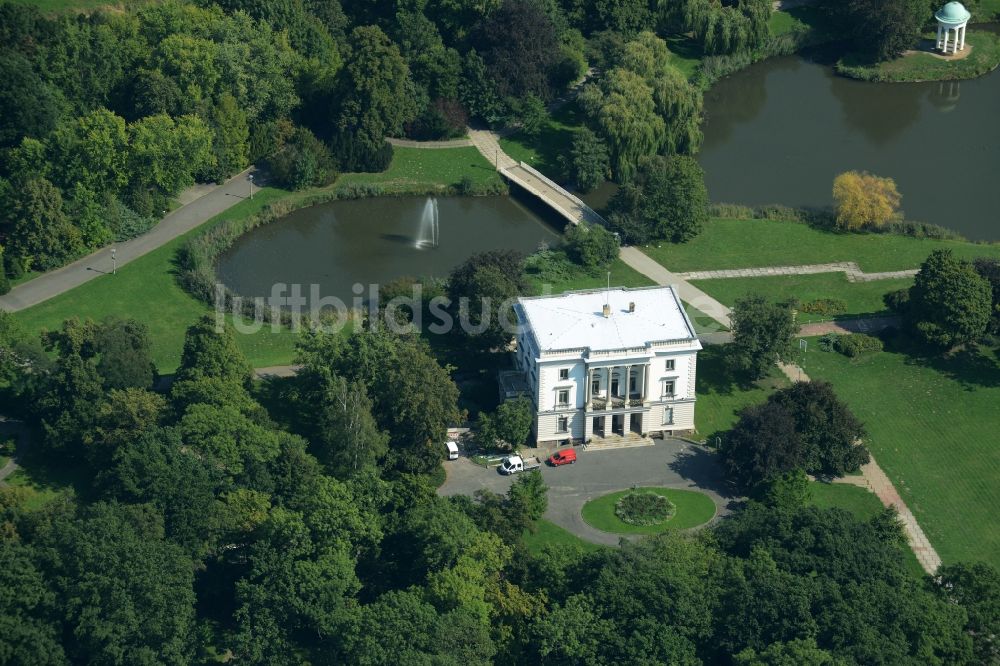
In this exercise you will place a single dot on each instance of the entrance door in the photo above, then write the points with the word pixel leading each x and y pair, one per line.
pixel 599 426
pixel 618 424
pixel 614 387
pixel 635 423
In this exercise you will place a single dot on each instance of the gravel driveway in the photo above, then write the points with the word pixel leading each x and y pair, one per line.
pixel 671 463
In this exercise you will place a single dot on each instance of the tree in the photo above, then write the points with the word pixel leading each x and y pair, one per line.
pixel 28 105
pixel 349 438
pixel 191 62
pixel 29 615
pixel 91 150
pixel 762 335
pixel 124 354
pixel 210 351
pixel 22 359
pixel 519 44
pixel 377 92
pixel 591 246
pixel 829 431
pixel 949 304
pixel 125 593
pixel 508 427
pixel 527 495
pixel 881 29
pixel 668 200
pixel 589 161
pixel 231 137
pixel 303 162
pixel 483 289
pixel 167 153
pixel 865 200
pixel 976 588
pixel 762 446
pixel 989 268
pixel 41 233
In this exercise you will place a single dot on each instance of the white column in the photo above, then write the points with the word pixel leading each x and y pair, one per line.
pixel 964 29
pixel 589 389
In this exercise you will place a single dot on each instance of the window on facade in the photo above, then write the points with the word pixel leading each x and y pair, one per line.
pixel 668 416
pixel 595 387
pixel 562 398
pixel 563 373
pixel 668 388
pixel 670 364
pixel 563 424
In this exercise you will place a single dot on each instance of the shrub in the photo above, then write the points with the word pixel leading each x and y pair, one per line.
pixel 356 155
pixel 303 162
pixel 590 245
pixel 825 307
pixel 858 344
pixel 828 342
pixel 644 508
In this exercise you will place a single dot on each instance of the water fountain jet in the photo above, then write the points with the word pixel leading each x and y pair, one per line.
pixel 427 235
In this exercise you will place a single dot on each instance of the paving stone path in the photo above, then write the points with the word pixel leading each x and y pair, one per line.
pixel 872 477
pixel 849 268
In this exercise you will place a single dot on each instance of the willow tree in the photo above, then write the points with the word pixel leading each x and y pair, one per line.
pixel 625 114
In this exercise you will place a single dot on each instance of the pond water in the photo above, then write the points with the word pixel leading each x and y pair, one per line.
pixel 366 241
pixel 779 131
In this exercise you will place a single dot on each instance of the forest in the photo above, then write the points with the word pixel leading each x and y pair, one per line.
pixel 297 522
pixel 105 117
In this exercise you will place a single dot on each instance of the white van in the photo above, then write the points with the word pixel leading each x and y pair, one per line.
pixel 452 450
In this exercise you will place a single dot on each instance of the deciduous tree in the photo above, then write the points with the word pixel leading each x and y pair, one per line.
pixel 762 335
pixel 949 304
pixel 865 200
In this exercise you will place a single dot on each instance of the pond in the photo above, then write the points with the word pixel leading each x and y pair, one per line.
pixel 779 131
pixel 373 241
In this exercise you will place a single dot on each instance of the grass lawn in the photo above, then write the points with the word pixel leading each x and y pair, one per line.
pixel 686 54
pixel 422 167
pixel 932 427
pixel 77 5
pixel 145 289
pixel 37 493
pixel 692 509
pixel 861 297
pixel 862 504
pixel 548 533
pixel 720 398
pixel 554 141
pixel 728 243
pixel 921 65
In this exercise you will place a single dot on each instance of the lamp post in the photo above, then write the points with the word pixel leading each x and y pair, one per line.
pixel 114 262
pixel 250 178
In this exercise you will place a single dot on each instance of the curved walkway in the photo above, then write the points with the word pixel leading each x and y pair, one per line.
pixel 670 463
pixel 850 269
pixel 199 210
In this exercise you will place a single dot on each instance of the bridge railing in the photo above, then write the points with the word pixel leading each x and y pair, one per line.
pixel 587 210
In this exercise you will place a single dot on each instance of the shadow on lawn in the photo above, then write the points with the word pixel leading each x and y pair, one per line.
pixel 973 366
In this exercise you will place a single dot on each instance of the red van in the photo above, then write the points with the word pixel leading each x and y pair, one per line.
pixel 563 457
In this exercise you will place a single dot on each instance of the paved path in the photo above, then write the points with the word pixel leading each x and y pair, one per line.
pixel 450 143
pixel 180 221
pixel 11 427
pixel 688 292
pixel 568 205
pixel 850 269
pixel 671 463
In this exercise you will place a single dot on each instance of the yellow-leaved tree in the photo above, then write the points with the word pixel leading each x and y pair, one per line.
pixel 864 199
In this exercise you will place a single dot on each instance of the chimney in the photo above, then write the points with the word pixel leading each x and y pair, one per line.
pixel 607 310
pixel 631 306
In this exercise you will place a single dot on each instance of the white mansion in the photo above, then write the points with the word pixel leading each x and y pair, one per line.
pixel 608 362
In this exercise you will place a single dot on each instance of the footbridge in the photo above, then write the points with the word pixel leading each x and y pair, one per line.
pixel 531 180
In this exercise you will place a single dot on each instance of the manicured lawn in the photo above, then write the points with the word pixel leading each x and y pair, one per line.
pixel 422 167
pixel 36 493
pixel 553 143
pixel 720 398
pixel 924 66
pixel 728 243
pixel 685 53
pixel 863 504
pixel 692 509
pixel 548 533
pixel 145 289
pixel 932 427
pixel 861 297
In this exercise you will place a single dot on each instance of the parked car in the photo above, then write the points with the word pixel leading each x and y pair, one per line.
pixel 563 457
pixel 452 450
pixel 515 464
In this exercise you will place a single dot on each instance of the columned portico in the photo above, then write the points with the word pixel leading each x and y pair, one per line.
pixel 952 20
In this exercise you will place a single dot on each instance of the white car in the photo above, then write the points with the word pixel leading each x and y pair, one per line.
pixel 452 450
